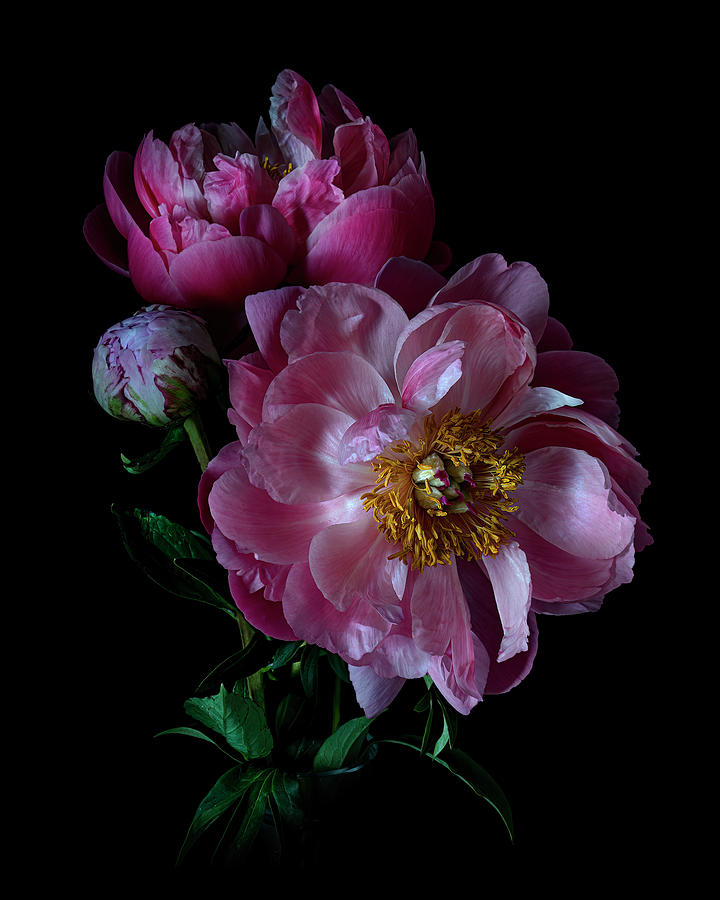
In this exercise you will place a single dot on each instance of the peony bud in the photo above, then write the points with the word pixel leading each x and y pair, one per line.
pixel 154 366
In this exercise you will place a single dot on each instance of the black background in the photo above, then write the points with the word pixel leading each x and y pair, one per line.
pixel 544 145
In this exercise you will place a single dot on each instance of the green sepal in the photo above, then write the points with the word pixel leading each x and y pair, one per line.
pixel 238 719
pixel 174 436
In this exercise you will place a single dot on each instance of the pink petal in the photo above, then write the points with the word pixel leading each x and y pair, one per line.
pixel 295 458
pixel 364 155
pixel 431 376
pixel 509 575
pixel 350 560
pixel 517 287
pixel 374 693
pixel 148 272
pixel 583 375
pixel 229 457
pixel 555 337
pixel 348 318
pixel 351 633
pixel 274 532
pixel 266 223
pixel 248 384
pixel 105 240
pixel 295 118
pixel 225 271
pixel 498 358
pixel 121 198
pixel 409 281
pixel 375 431
pixel 237 183
pixel 343 381
pixel 566 498
pixel 308 194
pixel 438 608
pixel 266 617
pixel 357 238
pixel 530 402
pixel 459 678
pixel 337 108
pixel 265 312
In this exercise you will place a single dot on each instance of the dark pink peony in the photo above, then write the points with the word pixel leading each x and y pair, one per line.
pixel 321 195
pixel 410 492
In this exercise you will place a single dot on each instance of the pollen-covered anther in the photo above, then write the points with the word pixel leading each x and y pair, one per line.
pixel 446 495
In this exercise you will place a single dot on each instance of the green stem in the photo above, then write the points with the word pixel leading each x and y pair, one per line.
pixel 254 681
pixel 196 432
pixel 336 705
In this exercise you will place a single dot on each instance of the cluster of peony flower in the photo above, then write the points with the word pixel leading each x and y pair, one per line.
pixel 422 464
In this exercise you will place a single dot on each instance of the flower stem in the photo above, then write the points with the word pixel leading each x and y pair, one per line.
pixel 254 681
pixel 196 432
pixel 336 706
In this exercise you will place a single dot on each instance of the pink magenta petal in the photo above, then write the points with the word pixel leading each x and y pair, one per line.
pixel 517 287
pixel 351 633
pixel 509 575
pixel 306 195
pixel 105 240
pixel 344 381
pixel 350 560
pixel 349 318
pixel 149 275
pixel 223 272
pixel 559 577
pixel 438 608
pixel 364 155
pixel 295 458
pixel 265 312
pixel 266 223
pixel 409 281
pixel 235 185
pixel 295 118
pixel 121 198
pixel 497 362
pixel 375 431
pixel 461 682
pixel 229 457
pixel 357 238
pixel 532 401
pixel 268 618
pixel 583 375
pixel 373 693
pixel 566 497
pixel 423 331
pixel 555 337
pixel 274 532
pixel 432 375
pixel 248 384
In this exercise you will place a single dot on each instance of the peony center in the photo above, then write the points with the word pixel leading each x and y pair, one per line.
pixel 276 171
pixel 446 494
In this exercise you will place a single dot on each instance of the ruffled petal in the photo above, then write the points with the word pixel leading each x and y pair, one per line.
pixel 344 381
pixel 373 692
pixel 248 384
pixel 518 287
pixel 306 195
pixel 583 375
pixel 350 560
pixel 295 118
pixel 349 318
pixel 376 430
pixel 509 575
pixel 409 281
pixel 432 375
pixel 265 311
pixel 264 222
pixel 438 608
pixel 267 617
pixel 274 532
pixel 295 458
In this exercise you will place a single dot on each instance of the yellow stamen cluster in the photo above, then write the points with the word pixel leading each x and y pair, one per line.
pixel 276 170
pixel 446 495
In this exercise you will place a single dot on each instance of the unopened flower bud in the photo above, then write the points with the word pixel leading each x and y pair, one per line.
pixel 154 366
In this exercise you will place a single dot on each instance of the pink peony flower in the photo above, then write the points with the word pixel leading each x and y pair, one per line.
pixel 322 195
pixel 410 492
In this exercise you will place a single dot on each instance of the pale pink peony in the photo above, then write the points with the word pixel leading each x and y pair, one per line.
pixel 403 491
pixel 321 195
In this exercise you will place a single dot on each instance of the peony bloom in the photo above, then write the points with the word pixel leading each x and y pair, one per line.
pixel 154 366
pixel 322 195
pixel 404 491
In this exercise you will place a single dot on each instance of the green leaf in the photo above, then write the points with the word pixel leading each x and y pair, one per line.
pixel 339 667
pixel 284 655
pixel 171 555
pixel 227 791
pixel 285 794
pixel 200 579
pixel 256 805
pixel 342 747
pixel 428 726
pixel 193 732
pixel 174 436
pixel 239 720
pixel 479 780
